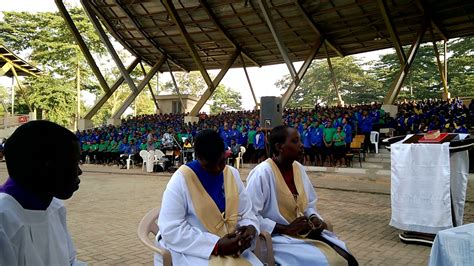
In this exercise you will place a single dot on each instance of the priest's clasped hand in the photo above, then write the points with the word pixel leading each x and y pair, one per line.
pixel 235 243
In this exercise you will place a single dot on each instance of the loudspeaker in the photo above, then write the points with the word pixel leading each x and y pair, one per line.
pixel 271 112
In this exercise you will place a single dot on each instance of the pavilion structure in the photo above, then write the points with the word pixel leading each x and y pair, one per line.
pixel 188 35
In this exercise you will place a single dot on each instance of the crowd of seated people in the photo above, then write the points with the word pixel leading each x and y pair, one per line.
pixel 326 132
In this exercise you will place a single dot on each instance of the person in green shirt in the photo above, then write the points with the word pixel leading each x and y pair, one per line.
pixel 328 134
pixel 85 150
pixel 93 151
pixel 101 152
pixel 112 151
pixel 339 147
pixel 250 139
pixel 143 145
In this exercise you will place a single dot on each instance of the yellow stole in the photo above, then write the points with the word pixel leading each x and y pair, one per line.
pixel 292 207
pixel 208 213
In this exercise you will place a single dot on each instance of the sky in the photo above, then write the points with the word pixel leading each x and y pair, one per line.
pixel 263 78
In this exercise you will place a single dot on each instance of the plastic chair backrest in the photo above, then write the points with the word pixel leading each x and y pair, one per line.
pixel 148 225
pixel 242 150
pixel 374 137
pixel 152 153
pixel 144 154
pixel 159 153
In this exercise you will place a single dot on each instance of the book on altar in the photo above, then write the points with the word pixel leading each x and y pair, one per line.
pixel 433 136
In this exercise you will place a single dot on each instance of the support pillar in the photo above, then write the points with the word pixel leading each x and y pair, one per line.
pixel 114 121
pixel 85 124
pixel 333 77
pixel 446 95
pixel 295 82
pixel 391 109
pixel 403 72
pixel 250 83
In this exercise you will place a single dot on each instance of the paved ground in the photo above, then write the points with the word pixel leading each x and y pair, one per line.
pixel 104 214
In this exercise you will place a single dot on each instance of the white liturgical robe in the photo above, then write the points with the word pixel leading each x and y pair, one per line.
pixel 34 237
pixel 262 190
pixel 182 233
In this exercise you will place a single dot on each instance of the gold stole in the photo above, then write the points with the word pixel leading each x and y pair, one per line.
pixel 292 207
pixel 208 213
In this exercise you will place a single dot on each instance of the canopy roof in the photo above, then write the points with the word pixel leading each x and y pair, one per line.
pixel 216 27
pixel 22 67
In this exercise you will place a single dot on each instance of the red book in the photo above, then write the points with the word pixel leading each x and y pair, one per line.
pixel 435 140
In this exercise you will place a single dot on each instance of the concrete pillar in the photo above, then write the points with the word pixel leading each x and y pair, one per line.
pixel 114 121
pixel 32 116
pixel 85 124
pixel 446 96
pixel 191 119
pixel 391 109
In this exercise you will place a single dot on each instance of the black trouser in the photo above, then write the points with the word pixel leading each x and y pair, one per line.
pixel 232 159
pixel 249 154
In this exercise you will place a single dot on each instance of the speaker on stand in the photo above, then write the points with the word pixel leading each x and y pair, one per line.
pixel 271 115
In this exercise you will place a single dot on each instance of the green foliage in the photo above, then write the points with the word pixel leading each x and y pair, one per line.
pixel 225 99
pixel 354 84
pixel 188 83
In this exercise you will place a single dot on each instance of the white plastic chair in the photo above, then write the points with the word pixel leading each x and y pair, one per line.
pixel 150 161
pixel 374 139
pixel 130 162
pixel 239 161
pixel 145 155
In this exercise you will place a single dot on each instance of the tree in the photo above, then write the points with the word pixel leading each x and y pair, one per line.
pixel 51 46
pixel 423 79
pixel 191 83
pixel 354 83
pixel 225 99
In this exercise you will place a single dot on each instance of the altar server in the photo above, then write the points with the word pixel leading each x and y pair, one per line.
pixel 42 159
pixel 206 216
pixel 284 201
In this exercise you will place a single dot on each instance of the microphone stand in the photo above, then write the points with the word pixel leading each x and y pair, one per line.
pixel 181 153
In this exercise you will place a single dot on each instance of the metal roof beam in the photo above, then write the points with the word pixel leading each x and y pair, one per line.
pixel 438 61
pixel 248 80
pixel 333 76
pixel 392 30
pixel 140 87
pixel 295 82
pixel 108 44
pixel 149 87
pixel 403 72
pixel 82 45
pixel 434 23
pixel 221 28
pixel 276 35
pixel 175 85
pixel 148 38
pixel 5 68
pixel 210 90
pixel 173 13
pixel 93 111
pixel 312 23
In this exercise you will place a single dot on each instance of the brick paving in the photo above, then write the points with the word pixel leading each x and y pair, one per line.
pixel 104 214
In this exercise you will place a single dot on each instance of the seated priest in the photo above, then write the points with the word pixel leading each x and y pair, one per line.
pixel 284 201
pixel 33 228
pixel 206 216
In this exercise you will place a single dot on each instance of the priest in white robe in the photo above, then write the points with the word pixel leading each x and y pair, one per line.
pixel 206 216
pixel 33 228
pixel 284 202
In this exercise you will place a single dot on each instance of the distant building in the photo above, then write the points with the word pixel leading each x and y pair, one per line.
pixel 172 104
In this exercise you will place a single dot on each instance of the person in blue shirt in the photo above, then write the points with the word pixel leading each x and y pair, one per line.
pixel 259 145
pixel 308 151
pixel 124 148
pixel 460 127
pixel 225 136
pixel 234 133
pixel 316 135
pixel 347 129
pixel 365 124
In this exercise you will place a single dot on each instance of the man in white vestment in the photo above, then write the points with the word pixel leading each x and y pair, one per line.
pixel 206 216
pixel 284 201
pixel 42 159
